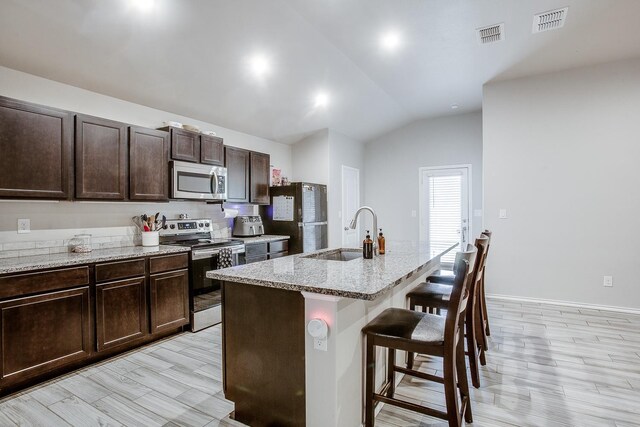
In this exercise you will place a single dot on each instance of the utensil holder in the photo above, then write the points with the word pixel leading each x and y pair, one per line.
pixel 150 238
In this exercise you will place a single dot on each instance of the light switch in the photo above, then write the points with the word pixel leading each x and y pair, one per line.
pixel 502 214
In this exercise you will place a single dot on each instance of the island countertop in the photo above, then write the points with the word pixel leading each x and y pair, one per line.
pixel 359 278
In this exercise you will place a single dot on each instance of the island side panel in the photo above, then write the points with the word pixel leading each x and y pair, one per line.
pixel 264 354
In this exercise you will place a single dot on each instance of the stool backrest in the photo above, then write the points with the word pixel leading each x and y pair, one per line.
pixel 459 294
pixel 469 255
pixel 482 245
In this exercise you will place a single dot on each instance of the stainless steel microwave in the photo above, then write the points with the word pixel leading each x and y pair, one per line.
pixel 198 182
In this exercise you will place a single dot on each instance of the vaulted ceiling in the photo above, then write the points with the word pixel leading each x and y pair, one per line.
pixel 193 57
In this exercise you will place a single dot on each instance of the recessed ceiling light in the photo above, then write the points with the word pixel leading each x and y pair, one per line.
pixel 259 65
pixel 143 5
pixel 390 40
pixel 321 99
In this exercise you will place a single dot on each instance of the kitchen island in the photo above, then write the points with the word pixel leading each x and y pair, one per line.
pixel 274 371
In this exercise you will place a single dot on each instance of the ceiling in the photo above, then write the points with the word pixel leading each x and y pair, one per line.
pixel 190 57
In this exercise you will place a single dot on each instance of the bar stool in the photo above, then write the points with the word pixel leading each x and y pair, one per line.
pixel 485 316
pixel 437 296
pixel 425 333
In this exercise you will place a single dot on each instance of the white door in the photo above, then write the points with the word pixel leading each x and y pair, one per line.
pixel 444 208
pixel 350 204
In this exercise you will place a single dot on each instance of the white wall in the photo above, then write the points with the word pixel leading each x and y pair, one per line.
pixel 348 152
pixel 77 215
pixel 393 160
pixel 310 158
pixel 561 154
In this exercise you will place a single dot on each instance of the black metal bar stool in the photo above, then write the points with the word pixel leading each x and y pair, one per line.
pixel 437 296
pixel 425 333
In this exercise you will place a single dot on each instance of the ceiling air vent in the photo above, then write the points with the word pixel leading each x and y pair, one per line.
pixel 491 34
pixel 550 20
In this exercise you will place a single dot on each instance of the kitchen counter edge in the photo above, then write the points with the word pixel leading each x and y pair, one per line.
pixel 43 262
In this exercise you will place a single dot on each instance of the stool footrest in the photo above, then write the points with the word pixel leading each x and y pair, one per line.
pixel 411 406
pixel 419 374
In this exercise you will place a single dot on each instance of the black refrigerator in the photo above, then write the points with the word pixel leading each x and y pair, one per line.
pixel 298 210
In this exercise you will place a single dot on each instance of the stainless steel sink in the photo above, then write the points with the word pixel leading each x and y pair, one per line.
pixel 342 254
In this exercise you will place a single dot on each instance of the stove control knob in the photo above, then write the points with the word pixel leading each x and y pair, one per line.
pixel 206 224
pixel 172 226
pixel 200 225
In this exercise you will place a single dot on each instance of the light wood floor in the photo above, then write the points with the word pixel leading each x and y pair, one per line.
pixel 548 366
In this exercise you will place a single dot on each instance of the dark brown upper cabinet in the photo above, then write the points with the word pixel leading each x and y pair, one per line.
pixel 248 174
pixel 259 178
pixel 185 145
pixel 148 159
pixel 211 150
pixel 36 151
pixel 101 159
pixel 236 160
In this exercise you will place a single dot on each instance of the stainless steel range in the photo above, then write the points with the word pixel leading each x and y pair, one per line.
pixel 205 295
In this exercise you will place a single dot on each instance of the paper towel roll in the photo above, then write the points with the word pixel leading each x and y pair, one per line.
pixel 230 213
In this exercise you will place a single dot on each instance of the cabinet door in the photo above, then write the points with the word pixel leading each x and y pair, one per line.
pixel 148 164
pixel 43 332
pixel 185 145
pixel 211 150
pixel 259 176
pixel 36 157
pixel 101 159
pixel 169 300
pixel 236 161
pixel 121 312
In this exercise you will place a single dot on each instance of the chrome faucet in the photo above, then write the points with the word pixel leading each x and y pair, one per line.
pixel 354 223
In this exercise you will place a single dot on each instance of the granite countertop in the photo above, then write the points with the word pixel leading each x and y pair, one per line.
pixel 359 278
pixel 39 262
pixel 263 238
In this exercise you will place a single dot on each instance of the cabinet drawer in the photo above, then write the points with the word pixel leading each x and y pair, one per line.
pixel 119 270
pixel 278 255
pixel 255 249
pixel 23 284
pixel 279 246
pixel 168 263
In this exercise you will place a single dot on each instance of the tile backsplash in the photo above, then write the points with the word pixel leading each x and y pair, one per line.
pixel 54 236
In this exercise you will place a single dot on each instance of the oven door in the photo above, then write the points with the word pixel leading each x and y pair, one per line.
pixel 199 182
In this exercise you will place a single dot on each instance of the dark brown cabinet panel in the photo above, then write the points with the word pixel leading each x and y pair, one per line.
pixel 121 312
pixel 36 146
pixel 211 150
pixel 101 159
pixel 43 332
pixel 185 145
pixel 236 161
pixel 160 264
pixel 148 164
pixel 169 300
pixel 260 178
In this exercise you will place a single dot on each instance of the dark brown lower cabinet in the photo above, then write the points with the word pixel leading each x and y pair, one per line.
pixel 121 312
pixel 169 300
pixel 43 332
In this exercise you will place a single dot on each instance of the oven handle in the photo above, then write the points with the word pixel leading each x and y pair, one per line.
pixel 202 254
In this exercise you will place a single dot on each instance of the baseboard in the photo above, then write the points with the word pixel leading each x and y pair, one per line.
pixel 566 303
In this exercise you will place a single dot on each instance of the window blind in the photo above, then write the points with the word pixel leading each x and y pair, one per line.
pixel 445 213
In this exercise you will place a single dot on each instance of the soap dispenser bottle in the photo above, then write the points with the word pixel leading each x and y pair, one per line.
pixel 367 247
pixel 381 243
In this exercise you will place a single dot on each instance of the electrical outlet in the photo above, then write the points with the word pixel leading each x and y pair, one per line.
pixel 608 281
pixel 320 344
pixel 24 225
